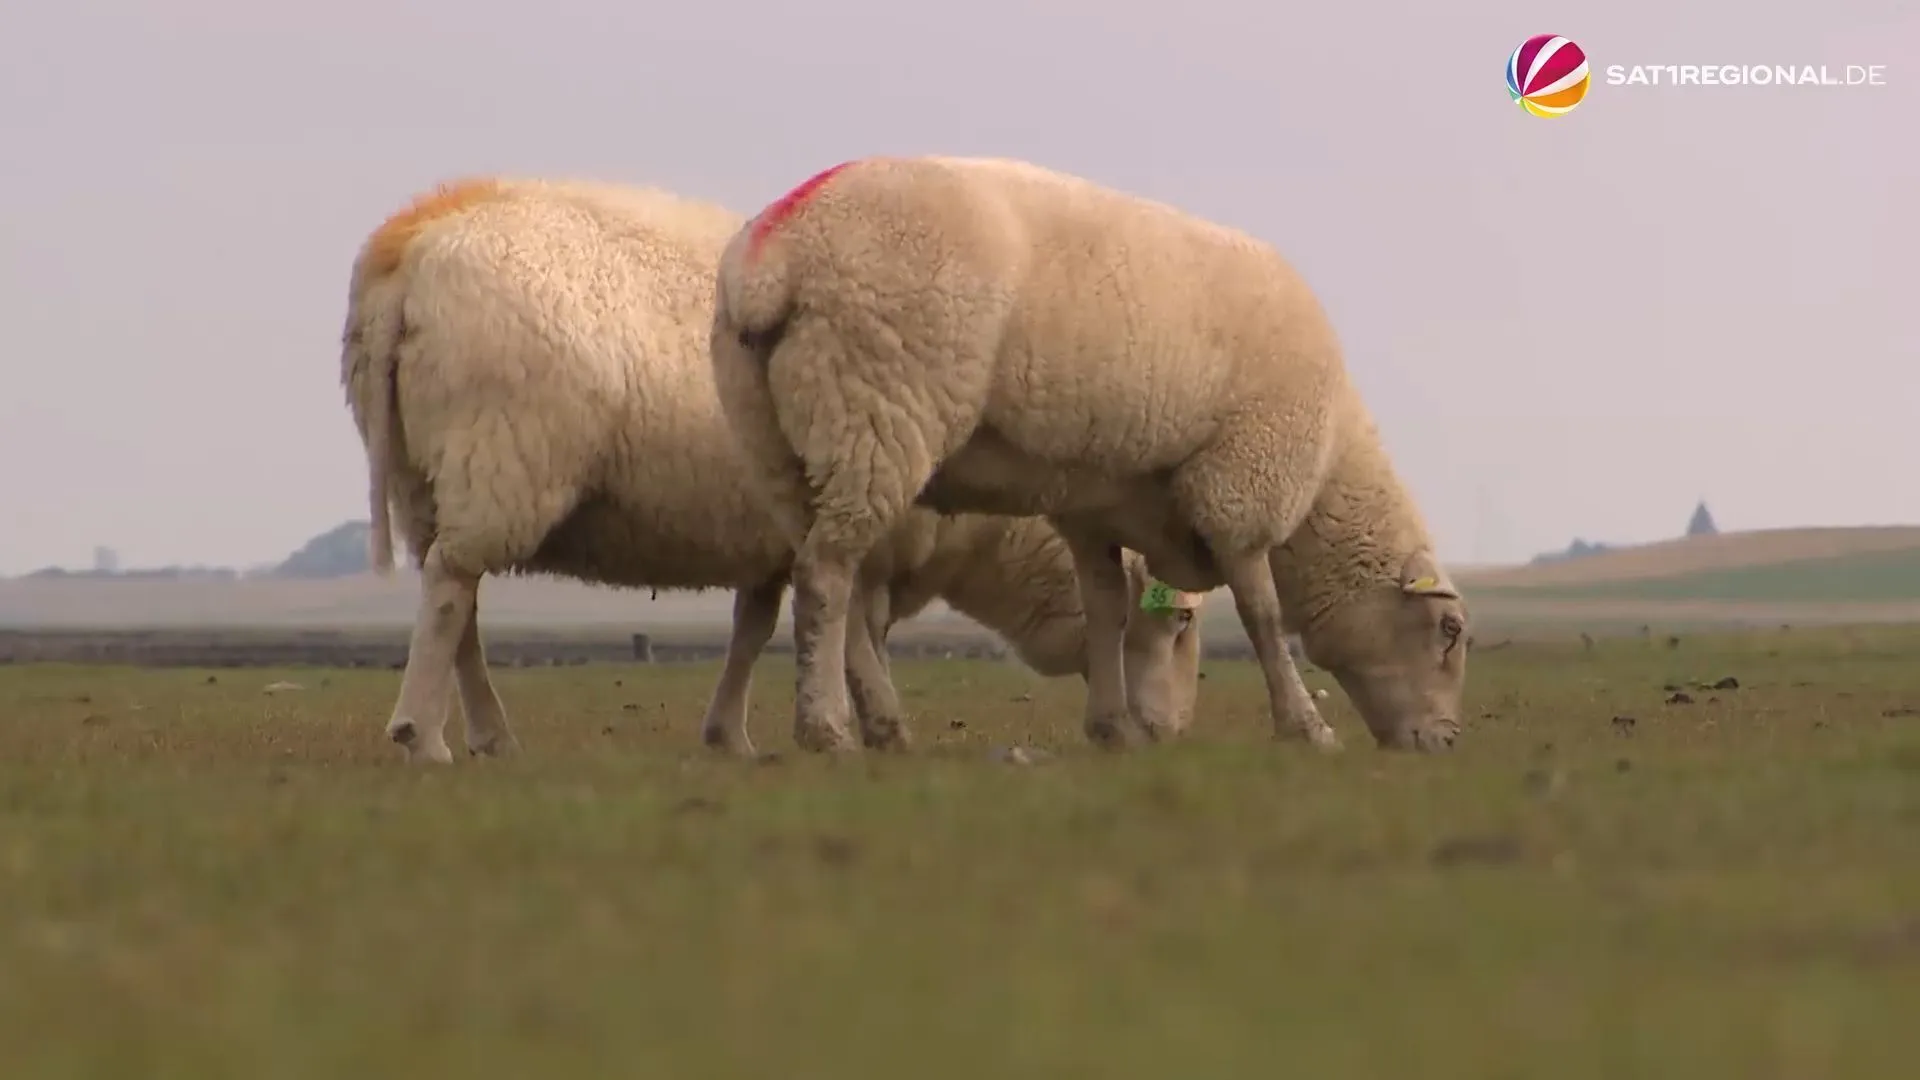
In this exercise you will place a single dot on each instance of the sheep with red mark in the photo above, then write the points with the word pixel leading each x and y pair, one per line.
pixel 992 336
pixel 526 362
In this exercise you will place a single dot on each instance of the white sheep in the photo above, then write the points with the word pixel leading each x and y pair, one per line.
pixel 526 362
pixel 991 336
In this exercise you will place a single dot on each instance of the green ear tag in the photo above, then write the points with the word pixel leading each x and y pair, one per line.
pixel 1158 598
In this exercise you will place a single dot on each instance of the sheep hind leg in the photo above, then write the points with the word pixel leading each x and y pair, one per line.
pixel 875 700
pixel 855 509
pixel 419 717
pixel 822 591
pixel 865 457
pixel 1250 579
pixel 488 733
pixel 755 611
pixel 1108 722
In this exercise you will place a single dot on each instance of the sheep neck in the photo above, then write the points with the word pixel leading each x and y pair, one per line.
pixel 1357 537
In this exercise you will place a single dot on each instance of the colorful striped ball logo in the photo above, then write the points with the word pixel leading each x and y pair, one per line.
pixel 1547 75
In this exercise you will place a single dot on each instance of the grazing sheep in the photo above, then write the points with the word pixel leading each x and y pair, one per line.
pixel 526 362
pixel 991 336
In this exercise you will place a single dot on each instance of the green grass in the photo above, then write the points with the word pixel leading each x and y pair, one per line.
pixel 1872 576
pixel 201 881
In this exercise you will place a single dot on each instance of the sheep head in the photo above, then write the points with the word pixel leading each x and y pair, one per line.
pixel 1399 650
pixel 1162 651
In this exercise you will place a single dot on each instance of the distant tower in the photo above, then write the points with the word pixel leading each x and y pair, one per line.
pixel 1702 523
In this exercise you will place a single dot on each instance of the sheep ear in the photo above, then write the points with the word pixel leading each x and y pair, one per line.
pixel 1422 576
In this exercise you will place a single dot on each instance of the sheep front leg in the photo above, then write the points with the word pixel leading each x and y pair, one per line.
pixel 1250 579
pixel 1103 596
pixel 419 720
pixel 755 611
pixel 875 701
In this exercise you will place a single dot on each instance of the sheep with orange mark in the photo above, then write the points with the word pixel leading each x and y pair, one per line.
pixel 526 362
pixel 990 336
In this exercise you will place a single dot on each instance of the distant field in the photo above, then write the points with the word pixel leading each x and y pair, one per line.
pixel 1707 554
pixel 362 601
pixel 1873 576
pixel 202 880
pixel 1796 576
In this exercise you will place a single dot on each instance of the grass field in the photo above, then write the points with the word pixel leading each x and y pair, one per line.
pixel 205 881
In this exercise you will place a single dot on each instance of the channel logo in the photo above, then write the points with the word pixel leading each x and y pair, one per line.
pixel 1547 75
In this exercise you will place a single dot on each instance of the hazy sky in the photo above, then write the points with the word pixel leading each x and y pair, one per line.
pixel 1567 326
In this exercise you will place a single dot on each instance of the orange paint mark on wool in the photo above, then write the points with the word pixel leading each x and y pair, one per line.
pixel 788 205
pixel 389 243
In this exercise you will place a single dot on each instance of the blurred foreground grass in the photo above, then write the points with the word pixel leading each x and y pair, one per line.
pixel 201 880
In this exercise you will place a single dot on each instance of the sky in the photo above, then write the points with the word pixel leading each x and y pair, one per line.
pixel 1575 326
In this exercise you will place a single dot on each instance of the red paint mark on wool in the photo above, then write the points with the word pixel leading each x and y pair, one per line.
pixel 788 205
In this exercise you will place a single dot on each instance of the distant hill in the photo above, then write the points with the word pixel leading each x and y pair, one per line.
pixel 341 551
pixel 1699 524
pixel 156 573
pixel 1579 549
pixel 1773 565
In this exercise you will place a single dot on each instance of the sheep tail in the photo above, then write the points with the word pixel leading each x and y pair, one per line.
pixel 755 300
pixel 368 371
pixel 756 288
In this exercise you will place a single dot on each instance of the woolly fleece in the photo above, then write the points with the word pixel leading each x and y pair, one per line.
pixel 526 361
pixel 991 336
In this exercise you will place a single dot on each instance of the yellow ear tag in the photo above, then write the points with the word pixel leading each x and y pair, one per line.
pixel 1157 599
pixel 1423 584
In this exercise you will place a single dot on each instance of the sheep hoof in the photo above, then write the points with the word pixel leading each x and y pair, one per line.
pixel 822 738
pixel 407 734
pixel 1111 732
pixel 1158 731
pixel 419 750
pixel 1433 740
pixel 887 733
pixel 1321 736
pixel 495 744
pixel 727 742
